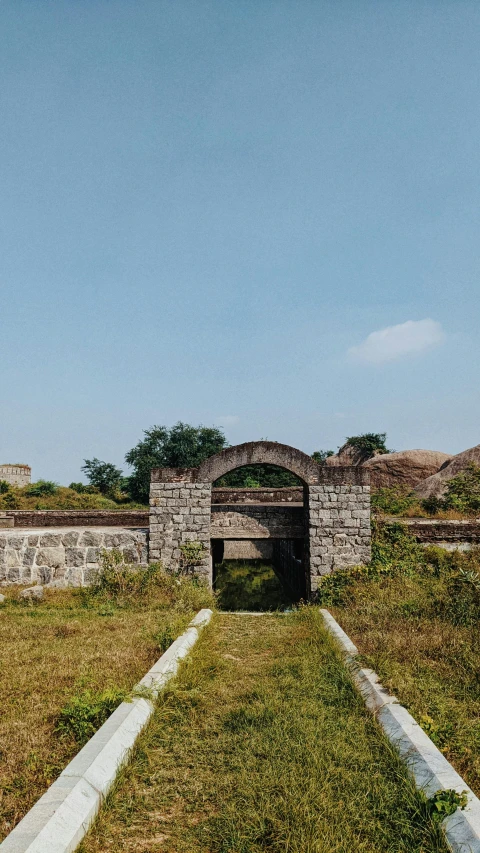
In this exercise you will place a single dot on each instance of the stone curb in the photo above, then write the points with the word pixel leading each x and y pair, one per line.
pixel 429 768
pixel 62 816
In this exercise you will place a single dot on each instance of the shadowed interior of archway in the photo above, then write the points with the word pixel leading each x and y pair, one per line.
pixel 275 577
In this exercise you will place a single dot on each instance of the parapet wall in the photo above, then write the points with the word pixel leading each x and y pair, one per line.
pixel 437 531
pixel 65 557
pixel 254 521
pixel 78 518
pixel 16 475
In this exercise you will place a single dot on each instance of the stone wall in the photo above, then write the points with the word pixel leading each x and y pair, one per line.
pixel 289 494
pixel 433 531
pixel 248 549
pixel 253 521
pixel 179 513
pixel 16 475
pixel 64 557
pixel 339 528
pixel 78 518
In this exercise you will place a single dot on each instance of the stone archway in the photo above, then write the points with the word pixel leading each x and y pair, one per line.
pixel 259 453
pixel 336 508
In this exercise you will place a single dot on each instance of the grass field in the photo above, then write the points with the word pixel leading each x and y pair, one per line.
pixel 429 662
pixel 263 744
pixel 74 652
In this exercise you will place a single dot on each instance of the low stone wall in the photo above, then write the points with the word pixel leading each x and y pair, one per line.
pixel 252 521
pixel 78 518
pixel 432 531
pixel 290 494
pixel 65 557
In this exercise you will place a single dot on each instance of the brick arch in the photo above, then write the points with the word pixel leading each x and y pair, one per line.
pixel 259 453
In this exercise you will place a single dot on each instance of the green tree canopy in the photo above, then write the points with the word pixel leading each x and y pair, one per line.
pixel 321 456
pixel 368 444
pixel 259 476
pixel 181 446
pixel 104 476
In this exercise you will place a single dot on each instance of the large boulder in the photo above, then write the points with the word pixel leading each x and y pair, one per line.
pixel 436 485
pixel 405 468
pixel 346 456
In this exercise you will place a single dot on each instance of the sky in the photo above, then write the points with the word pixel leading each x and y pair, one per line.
pixel 255 214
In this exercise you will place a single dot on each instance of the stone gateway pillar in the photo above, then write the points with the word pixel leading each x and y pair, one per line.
pixel 338 518
pixel 179 513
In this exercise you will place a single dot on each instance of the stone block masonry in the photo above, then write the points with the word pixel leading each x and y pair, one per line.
pixel 339 528
pixel 65 557
pixel 179 513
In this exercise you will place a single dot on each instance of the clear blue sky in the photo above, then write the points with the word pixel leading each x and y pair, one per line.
pixel 206 209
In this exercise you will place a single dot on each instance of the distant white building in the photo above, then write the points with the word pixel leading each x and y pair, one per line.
pixel 16 475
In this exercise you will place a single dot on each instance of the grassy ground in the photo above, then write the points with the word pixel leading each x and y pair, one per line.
pixel 70 650
pixel 262 744
pixel 249 585
pixel 419 632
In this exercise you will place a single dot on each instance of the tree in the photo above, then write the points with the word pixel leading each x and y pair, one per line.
pixel 104 476
pixel 181 446
pixel 259 476
pixel 368 444
pixel 321 456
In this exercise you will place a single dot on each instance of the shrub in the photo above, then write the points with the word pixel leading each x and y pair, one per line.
pixel 394 500
pixel 4 487
pixel 394 552
pixel 192 555
pixel 122 584
pixel 463 491
pixel 85 713
pixel 82 489
pixel 40 488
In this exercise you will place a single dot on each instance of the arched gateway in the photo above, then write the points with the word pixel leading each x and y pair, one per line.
pixel 334 523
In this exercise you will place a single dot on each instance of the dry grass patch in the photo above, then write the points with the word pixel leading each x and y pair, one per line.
pixel 65 649
pixel 263 744
pixel 407 629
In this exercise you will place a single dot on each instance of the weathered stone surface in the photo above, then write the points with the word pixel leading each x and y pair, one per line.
pixel 435 486
pixel 32 593
pixel 406 468
pixel 91 538
pixel 25 558
pixel 75 556
pixel 166 535
pixel 2 599
pixel 16 475
pixel 53 557
pixel 51 540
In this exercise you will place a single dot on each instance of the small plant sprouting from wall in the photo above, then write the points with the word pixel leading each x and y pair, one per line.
pixel 192 554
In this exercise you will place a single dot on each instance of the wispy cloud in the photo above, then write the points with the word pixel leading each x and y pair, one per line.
pixel 394 342
pixel 227 420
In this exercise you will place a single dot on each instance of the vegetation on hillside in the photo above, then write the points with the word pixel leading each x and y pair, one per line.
pixel 461 498
pixel 76 496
